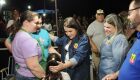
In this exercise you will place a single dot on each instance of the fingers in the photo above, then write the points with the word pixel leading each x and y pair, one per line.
pixel 107 77
pixel 53 69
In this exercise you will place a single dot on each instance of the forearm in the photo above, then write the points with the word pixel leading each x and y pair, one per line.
pixel 93 46
pixel 8 45
pixel 38 71
pixel 35 67
pixel 52 50
pixel 67 64
pixel 53 38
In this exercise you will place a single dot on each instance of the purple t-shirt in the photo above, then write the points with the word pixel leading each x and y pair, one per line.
pixel 23 47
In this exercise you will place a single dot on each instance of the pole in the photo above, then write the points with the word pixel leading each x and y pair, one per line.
pixel 56 19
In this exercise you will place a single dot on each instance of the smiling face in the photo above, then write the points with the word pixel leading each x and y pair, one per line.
pixel 109 29
pixel 134 15
pixel 70 32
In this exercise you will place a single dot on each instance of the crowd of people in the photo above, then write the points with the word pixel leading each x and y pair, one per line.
pixel 112 42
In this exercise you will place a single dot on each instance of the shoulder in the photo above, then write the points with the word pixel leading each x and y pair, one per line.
pixel 24 36
pixel 92 23
pixel 43 31
pixel 120 37
pixel 83 37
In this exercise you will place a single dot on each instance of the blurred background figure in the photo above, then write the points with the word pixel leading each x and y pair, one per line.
pixel 96 34
pixel 129 32
pixel 3 32
pixel 15 17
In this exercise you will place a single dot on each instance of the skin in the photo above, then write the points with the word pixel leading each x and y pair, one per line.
pixel 71 33
pixel 33 62
pixel 134 17
pixel 109 29
pixel 100 17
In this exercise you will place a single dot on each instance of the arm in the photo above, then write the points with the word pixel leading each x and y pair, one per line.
pixel 53 38
pixel 52 50
pixel 8 44
pixel 61 66
pixel 119 48
pixel 35 67
pixel 93 46
pixel 80 54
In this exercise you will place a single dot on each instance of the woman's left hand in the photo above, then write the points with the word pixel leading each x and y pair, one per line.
pixel 112 76
pixel 57 68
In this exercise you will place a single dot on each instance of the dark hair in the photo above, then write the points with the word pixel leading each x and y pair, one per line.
pixel 52 61
pixel 70 22
pixel 27 15
pixel 126 22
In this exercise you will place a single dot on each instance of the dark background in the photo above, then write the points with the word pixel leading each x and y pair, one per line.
pixel 68 7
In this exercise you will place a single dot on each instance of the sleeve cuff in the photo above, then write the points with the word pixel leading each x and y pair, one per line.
pixel 55 38
pixel 74 62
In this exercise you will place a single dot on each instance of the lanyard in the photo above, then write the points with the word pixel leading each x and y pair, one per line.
pixel 42 49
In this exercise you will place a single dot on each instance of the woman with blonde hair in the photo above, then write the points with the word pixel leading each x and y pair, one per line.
pixel 114 47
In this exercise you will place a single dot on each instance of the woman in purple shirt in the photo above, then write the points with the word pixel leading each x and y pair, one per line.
pixel 26 50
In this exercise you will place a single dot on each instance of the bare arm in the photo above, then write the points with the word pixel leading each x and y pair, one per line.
pixel 61 66
pixel 52 37
pixel 93 46
pixel 35 67
pixel 52 50
pixel 8 44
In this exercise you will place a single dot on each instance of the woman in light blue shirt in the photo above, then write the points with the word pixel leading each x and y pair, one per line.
pixel 114 47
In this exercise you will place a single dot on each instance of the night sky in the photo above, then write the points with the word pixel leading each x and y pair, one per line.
pixel 79 7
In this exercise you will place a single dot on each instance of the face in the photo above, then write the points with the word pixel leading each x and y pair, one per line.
pixel 34 23
pixel 39 23
pixel 70 32
pixel 100 17
pixel 134 16
pixel 15 14
pixel 109 29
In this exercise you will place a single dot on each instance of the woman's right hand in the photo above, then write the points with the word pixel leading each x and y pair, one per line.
pixel 112 76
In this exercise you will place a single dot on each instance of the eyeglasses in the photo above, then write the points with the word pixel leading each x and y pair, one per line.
pixel 38 23
pixel 134 9
pixel 130 11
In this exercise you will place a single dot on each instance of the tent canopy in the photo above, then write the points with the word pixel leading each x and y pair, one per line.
pixel 41 11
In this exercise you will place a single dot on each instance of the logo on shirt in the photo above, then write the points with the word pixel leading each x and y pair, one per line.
pixel 132 58
pixel 75 45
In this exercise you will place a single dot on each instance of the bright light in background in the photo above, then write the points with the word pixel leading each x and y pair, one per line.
pixel 29 7
pixel 2 2
pixel 44 14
